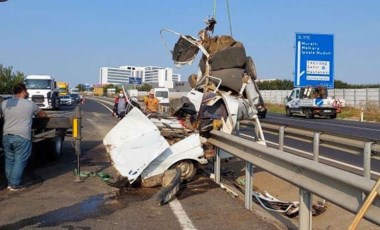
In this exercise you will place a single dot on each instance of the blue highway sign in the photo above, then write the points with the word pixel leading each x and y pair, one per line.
pixel 135 80
pixel 314 60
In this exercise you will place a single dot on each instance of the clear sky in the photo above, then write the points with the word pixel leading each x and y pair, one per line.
pixel 72 39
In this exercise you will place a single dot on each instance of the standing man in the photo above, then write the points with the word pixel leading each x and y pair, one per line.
pixel 151 103
pixel 18 113
pixel 121 105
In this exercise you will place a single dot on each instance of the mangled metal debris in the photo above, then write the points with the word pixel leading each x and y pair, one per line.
pixel 144 147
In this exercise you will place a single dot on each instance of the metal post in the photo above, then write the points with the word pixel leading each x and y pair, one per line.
pixel 77 135
pixel 305 214
pixel 367 160
pixel 248 186
pixel 217 166
pixel 237 128
pixel 281 136
pixel 316 146
pixel 362 115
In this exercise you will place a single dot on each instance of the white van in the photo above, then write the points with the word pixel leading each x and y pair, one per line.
pixel 162 94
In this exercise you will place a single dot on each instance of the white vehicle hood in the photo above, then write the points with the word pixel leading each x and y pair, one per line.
pixel 133 144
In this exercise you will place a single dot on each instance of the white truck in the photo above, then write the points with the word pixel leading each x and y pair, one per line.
pixel 42 91
pixel 311 101
pixel 162 94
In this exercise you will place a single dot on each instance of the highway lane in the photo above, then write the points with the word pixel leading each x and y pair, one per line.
pixel 356 129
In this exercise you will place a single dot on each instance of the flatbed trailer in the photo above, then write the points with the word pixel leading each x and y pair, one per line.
pixel 48 133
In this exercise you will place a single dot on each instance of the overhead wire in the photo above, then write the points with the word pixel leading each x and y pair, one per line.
pixel 229 16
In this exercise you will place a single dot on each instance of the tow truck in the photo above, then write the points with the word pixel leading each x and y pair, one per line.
pixel 311 101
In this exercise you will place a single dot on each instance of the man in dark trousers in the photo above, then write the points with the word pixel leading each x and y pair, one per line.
pixel 18 113
pixel 121 105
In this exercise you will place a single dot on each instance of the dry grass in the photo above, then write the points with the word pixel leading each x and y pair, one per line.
pixel 372 113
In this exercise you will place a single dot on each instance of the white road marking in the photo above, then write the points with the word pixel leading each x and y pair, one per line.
pixel 181 215
pixel 104 105
pixel 330 124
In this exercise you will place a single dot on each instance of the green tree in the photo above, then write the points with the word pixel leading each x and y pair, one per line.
pixel 80 87
pixel 8 79
pixel 145 87
pixel 108 86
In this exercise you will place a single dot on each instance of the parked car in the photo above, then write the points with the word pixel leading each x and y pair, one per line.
pixel 66 100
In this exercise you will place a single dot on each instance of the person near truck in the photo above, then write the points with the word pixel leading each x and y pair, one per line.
pixel 121 105
pixel 18 114
pixel 151 103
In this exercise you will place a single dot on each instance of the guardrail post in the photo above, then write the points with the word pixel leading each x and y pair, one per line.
pixel 366 164
pixel 305 215
pixel 361 115
pixel 217 166
pixel 237 128
pixel 248 186
pixel 316 140
pixel 281 137
pixel 77 135
pixel 367 160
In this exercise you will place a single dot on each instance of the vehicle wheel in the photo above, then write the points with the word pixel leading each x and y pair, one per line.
pixel 333 116
pixel 54 147
pixel 287 111
pixel 56 103
pixel 250 68
pixel 188 169
pixel 309 114
pixel 261 115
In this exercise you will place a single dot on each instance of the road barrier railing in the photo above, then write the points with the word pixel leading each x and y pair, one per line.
pixel 340 187
pixel 367 148
pixel 330 140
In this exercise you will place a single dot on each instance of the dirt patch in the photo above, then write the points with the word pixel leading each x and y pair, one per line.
pixel 333 218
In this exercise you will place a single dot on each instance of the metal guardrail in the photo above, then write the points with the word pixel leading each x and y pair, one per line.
pixel 366 148
pixel 344 143
pixel 340 187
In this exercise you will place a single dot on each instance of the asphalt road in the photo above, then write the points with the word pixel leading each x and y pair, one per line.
pixel 356 129
pixel 54 201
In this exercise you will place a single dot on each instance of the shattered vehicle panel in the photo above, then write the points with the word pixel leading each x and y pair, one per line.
pixel 133 143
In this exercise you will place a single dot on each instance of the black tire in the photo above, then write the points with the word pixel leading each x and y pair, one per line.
pixel 228 58
pixel 188 169
pixel 309 114
pixel 54 147
pixel 231 57
pixel 56 103
pixel 333 116
pixel 250 68
pixel 287 112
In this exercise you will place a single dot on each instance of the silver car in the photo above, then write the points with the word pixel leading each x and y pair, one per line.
pixel 66 100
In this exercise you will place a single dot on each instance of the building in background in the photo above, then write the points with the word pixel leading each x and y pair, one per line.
pixel 154 75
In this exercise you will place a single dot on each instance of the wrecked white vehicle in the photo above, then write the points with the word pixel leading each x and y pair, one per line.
pixel 224 92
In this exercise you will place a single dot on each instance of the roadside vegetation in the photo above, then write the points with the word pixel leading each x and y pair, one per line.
pixel 371 113
pixel 289 85
pixel 8 78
